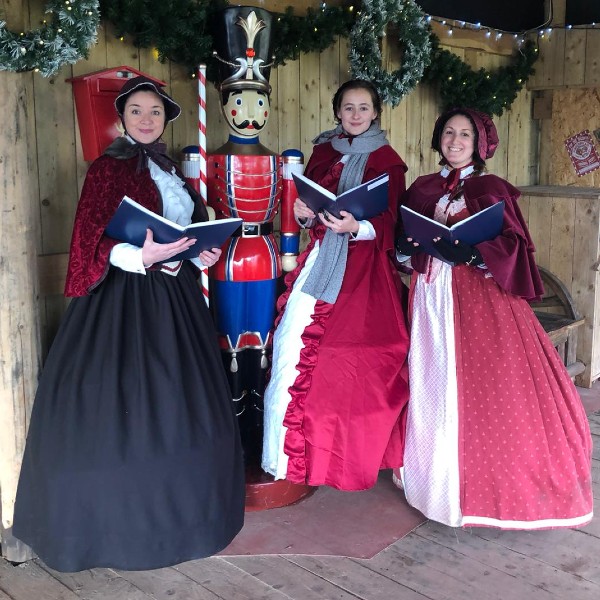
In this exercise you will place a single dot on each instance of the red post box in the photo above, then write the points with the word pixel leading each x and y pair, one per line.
pixel 95 95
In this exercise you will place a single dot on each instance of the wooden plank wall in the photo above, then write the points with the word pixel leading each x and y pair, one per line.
pixel 19 324
pixel 568 57
pixel 567 84
pixel 563 113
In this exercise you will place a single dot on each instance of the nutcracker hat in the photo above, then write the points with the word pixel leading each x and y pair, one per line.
pixel 141 83
pixel 487 136
pixel 242 37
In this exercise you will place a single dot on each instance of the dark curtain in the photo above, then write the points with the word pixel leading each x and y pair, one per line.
pixel 506 15
pixel 582 12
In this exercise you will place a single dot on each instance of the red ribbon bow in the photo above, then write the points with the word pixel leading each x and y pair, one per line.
pixel 452 181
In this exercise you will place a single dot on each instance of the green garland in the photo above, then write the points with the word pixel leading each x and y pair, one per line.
pixel 413 36
pixel 487 91
pixel 180 31
pixel 64 40
pixel 314 32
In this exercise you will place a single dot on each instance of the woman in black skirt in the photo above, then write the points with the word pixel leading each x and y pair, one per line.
pixel 133 458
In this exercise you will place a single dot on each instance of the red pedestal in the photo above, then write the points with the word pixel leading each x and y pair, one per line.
pixel 264 492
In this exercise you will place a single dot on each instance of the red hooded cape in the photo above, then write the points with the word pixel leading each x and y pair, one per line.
pixel 510 256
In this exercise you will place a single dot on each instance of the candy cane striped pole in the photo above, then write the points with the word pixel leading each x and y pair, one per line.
pixel 202 129
pixel 202 148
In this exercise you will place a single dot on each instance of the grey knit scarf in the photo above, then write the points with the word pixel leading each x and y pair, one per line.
pixel 325 279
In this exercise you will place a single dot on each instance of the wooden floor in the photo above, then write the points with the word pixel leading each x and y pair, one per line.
pixel 433 562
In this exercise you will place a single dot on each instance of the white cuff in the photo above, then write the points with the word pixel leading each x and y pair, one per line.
pixel 366 231
pixel 196 261
pixel 128 258
pixel 304 223
pixel 402 258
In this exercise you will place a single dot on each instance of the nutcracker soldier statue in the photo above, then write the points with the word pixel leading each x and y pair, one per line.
pixel 249 181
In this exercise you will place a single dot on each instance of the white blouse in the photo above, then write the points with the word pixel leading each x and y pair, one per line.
pixel 177 206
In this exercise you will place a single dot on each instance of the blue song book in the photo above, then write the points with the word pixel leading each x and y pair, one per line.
pixel 131 220
pixel 480 227
pixel 363 201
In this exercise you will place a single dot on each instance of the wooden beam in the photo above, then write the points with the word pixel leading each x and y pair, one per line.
pixel 558 8
pixel 52 271
pixel 19 319
pixel 474 38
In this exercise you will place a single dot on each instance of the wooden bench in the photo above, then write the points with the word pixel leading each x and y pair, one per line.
pixel 560 319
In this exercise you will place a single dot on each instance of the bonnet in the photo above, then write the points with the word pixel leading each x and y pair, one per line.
pixel 487 136
pixel 141 83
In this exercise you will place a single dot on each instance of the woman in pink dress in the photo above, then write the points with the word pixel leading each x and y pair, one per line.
pixel 339 380
pixel 496 433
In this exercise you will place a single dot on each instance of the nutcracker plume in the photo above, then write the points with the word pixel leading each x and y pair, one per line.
pixel 243 44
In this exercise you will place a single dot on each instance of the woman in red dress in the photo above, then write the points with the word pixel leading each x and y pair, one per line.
pixel 338 387
pixel 496 432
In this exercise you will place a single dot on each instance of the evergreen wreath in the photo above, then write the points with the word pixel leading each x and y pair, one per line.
pixel 64 40
pixel 413 34
pixel 489 92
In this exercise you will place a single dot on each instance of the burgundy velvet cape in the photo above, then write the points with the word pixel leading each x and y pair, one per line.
pixel 107 181
pixel 510 256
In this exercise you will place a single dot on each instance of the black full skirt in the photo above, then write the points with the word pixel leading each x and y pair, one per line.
pixel 133 458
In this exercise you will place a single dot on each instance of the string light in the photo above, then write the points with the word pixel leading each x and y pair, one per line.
pixel 543 32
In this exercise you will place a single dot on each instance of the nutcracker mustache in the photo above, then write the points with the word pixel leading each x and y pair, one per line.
pixel 246 123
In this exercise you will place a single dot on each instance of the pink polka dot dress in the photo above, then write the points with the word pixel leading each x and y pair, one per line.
pixel 496 432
